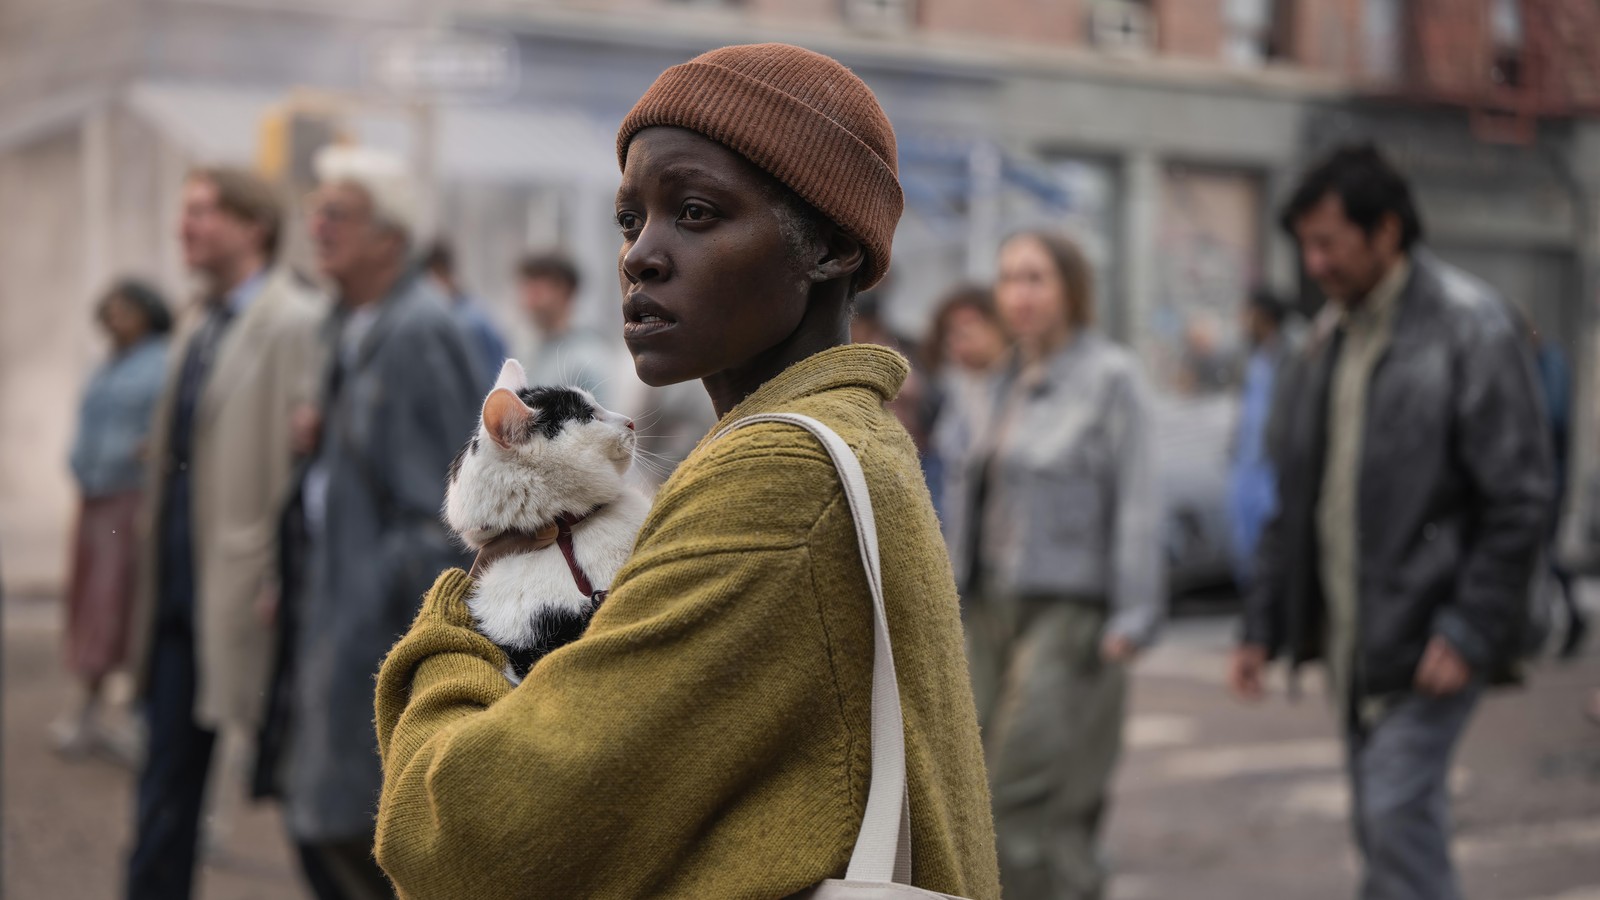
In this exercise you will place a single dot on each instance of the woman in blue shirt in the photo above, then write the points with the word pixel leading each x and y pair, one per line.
pixel 107 463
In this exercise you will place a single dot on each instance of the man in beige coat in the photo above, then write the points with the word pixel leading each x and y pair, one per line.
pixel 220 466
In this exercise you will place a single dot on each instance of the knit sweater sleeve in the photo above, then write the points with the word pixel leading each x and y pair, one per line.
pixel 690 742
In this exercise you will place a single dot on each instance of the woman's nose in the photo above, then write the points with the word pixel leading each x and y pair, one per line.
pixel 645 260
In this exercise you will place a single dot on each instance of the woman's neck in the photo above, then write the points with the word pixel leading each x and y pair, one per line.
pixel 1034 353
pixel 826 325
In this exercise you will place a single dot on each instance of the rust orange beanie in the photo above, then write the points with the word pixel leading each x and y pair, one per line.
pixel 800 116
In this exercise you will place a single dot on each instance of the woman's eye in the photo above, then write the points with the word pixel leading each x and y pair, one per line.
pixel 627 221
pixel 696 212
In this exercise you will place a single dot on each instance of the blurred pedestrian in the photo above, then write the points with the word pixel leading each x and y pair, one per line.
pixel 1054 526
pixel 1555 388
pixel 965 344
pixel 108 464
pixel 439 261
pixel 1414 495
pixel 1207 366
pixel 967 340
pixel 1252 482
pixel 914 405
pixel 400 395
pixel 219 465
pixel 563 351
pixel 708 736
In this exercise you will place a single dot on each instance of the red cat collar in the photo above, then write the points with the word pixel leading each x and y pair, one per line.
pixel 558 532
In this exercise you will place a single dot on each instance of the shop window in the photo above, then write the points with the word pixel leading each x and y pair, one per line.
pixel 1208 258
pixel 882 16
pixel 1249 31
pixel 1383 39
pixel 1123 26
pixel 1505 30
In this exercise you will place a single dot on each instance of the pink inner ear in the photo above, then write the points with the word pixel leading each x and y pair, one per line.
pixel 506 417
pixel 511 376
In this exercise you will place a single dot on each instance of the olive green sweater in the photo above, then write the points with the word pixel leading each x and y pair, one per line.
pixel 708 736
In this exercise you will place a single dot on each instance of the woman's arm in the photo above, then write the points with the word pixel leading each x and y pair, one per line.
pixel 81 458
pixel 701 680
pixel 1139 567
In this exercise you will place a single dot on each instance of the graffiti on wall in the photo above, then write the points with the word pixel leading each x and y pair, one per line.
pixel 1208 258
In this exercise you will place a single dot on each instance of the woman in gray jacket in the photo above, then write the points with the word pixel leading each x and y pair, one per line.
pixel 1054 529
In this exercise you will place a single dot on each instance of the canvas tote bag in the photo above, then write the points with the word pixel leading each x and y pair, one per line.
pixel 880 866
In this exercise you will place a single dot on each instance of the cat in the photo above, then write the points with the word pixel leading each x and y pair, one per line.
pixel 544 459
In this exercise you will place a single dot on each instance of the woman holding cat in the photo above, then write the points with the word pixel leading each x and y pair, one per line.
pixel 1054 525
pixel 708 735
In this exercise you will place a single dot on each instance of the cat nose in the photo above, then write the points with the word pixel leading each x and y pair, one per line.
pixel 630 424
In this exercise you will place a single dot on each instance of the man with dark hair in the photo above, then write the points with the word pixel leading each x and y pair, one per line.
pixel 439 261
pixel 563 351
pixel 1414 486
pixel 553 267
pixel 220 467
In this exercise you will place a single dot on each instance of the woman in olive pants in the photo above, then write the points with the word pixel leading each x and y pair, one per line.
pixel 1054 528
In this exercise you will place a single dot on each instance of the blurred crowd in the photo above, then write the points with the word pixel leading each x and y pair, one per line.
pixel 262 473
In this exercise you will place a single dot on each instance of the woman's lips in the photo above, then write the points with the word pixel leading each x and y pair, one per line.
pixel 643 317
pixel 645 326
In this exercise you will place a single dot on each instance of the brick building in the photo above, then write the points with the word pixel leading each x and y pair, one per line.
pixel 1161 132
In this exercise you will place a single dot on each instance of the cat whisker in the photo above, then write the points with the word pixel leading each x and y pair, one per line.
pixel 647 418
pixel 653 463
pixel 652 456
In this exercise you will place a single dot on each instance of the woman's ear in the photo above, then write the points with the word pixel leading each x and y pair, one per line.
pixel 841 255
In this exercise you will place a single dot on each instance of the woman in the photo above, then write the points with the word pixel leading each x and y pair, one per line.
pixel 964 345
pixel 707 736
pixel 1054 524
pixel 967 339
pixel 107 462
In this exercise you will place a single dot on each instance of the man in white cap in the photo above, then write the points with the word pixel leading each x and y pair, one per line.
pixel 401 394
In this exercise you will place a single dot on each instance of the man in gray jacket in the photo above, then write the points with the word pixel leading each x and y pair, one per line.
pixel 1414 490
pixel 401 395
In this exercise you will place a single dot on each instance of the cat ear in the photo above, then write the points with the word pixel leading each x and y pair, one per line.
pixel 512 378
pixel 507 419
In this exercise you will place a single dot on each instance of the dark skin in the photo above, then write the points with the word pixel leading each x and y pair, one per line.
pixel 712 286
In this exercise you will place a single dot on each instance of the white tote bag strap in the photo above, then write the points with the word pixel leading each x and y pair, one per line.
pixel 883 848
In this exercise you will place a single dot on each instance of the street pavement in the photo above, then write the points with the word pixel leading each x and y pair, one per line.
pixel 1217 799
pixel 1214 800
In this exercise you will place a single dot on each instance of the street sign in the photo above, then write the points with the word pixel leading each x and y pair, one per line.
pixel 454 64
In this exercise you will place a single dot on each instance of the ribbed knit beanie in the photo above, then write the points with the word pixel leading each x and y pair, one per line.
pixel 803 118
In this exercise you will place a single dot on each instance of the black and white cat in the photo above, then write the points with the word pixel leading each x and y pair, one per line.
pixel 547 462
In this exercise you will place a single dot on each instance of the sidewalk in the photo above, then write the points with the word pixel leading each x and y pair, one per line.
pixel 68 825
pixel 1215 800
